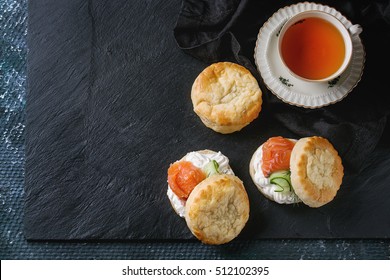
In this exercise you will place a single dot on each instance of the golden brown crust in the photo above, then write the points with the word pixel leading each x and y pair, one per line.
pixel 226 97
pixel 316 171
pixel 217 209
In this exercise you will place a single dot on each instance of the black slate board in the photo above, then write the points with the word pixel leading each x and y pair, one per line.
pixel 108 110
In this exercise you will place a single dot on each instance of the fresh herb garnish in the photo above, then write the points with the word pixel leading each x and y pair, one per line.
pixel 212 168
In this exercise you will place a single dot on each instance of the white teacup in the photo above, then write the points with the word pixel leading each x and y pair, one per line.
pixel 302 54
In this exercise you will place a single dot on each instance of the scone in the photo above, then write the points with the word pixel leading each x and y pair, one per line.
pixel 217 209
pixel 316 171
pixel 289 171
pixel 226 97
pixel 186 173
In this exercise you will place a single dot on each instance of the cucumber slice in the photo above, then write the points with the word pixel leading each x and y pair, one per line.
pixel 282 179
pixel 285 174
pixel 282 183
pixel 212 168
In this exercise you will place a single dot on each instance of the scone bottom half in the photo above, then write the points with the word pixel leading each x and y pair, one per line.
pixel 217 209
pixel 226 97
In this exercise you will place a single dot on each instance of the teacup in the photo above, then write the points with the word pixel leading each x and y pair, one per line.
pixel 315 46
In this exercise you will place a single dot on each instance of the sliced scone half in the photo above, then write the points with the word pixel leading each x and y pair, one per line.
pixel 217 209
pixel 316 171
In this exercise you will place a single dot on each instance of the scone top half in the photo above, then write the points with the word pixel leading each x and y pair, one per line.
pixel 226 97
pixel 217 209
pixel 316 171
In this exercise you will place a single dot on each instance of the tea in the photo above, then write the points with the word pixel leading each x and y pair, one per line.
pixel 313 48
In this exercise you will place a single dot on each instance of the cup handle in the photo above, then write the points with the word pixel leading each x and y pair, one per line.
pixel 355 30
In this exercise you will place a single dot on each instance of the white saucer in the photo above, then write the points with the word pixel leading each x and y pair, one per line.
pixel 285 86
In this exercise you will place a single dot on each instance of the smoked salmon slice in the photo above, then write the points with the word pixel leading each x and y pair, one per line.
pixel 276 155
pixel 183 176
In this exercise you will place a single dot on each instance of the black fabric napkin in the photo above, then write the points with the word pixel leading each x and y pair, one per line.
pixel 226 30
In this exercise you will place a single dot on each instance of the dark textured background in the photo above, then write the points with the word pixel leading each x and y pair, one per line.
pixel 108 110
pixel 13 243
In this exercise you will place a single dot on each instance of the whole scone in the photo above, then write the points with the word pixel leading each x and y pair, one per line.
pixel 226 97
pixel 316 171
pixel 217 209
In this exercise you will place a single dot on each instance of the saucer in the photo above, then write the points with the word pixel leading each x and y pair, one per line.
pixel 290 89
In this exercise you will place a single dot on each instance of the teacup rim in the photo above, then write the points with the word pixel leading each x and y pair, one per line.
pixel 348 55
